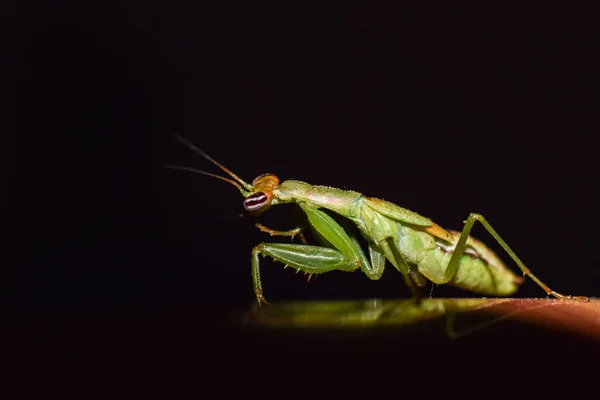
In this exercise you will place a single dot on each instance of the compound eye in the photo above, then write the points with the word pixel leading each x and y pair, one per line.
pixel 256 201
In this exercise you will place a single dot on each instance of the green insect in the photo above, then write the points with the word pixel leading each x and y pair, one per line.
pixel 417 247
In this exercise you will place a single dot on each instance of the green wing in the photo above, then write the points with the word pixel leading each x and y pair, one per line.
pixel 398 213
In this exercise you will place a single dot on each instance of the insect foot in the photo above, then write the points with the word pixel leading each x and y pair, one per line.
pixel 563 297
pixel 260 298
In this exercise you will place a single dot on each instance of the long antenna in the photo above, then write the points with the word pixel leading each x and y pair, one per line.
pixel 187 143
pixel 197 171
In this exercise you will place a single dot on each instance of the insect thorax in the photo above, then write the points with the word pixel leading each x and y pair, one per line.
pixel 343 202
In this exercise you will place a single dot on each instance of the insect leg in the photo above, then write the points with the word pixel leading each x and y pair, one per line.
pixel 461 245
pixel 344 253
pixel 306 258
pixel 333 234
pixel 291 233
pixel 401 265
pixel 374 269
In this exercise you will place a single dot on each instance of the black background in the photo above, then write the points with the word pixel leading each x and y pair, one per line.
pixel 443 110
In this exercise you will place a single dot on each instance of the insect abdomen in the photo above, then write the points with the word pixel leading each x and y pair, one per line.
pixel 480 270
pixel 477 275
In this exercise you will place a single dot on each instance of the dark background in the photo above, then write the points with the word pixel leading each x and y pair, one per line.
pixel 441 110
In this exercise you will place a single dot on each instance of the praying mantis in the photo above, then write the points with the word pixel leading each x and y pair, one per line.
pixel 417 247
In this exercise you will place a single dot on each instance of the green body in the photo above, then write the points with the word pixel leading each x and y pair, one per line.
pixel 420 249
pixel 393 233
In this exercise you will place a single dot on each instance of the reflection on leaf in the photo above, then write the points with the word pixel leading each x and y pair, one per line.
pixel 363 313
